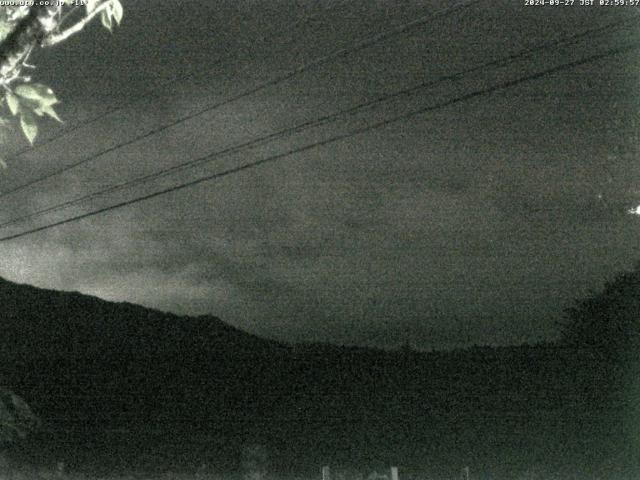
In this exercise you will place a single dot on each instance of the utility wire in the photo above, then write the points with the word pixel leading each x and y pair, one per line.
pixel 148 95
pixel 318 122
pixel 336 138
pixel 359 45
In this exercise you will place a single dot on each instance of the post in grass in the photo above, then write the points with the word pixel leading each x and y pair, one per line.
pixel 394 473
pixel 465 474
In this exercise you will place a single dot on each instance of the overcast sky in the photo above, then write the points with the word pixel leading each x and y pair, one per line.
pixel 474 223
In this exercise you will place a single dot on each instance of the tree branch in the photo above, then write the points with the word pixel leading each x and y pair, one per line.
pixel 29 32
pixel 52 39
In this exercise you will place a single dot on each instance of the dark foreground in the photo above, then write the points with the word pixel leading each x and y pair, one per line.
pixel 122 389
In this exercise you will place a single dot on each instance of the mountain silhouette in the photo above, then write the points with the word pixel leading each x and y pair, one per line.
pixel 68 324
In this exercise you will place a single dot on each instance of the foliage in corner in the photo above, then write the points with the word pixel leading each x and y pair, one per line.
pixel 23 28
pixel 28 101
pixel 17 420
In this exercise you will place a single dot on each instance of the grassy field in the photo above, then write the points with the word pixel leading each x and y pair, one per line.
pixel 203 473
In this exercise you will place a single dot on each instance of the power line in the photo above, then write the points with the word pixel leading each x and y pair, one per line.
pixel 337 138
pixel 317 122
pixel 360 45
pixel 148 95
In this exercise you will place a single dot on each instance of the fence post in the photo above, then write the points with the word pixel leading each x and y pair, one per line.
pixel 394 473
pixel 465 474
pixel 326 473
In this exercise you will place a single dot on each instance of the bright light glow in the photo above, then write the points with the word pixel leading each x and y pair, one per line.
pixel 634 211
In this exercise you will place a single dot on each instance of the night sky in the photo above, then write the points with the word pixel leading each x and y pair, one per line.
pixel 474 223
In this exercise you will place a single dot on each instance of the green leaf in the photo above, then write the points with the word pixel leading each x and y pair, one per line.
pixel 13 103
pixel 37 92
pixel 48 110
pixel 117 11
pixel 105 18
pixel 5 29
pixel 29 127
